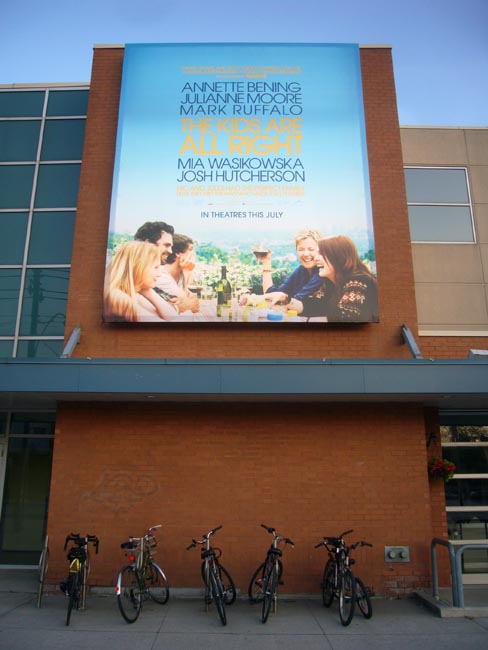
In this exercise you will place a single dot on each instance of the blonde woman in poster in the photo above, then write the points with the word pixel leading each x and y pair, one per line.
pixel 305 280
pixel 129 286
pixel 348 291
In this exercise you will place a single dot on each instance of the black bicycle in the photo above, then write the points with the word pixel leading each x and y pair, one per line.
pixel 263 587
pixel 219 586
pixel 76 584
pixel 142 578
pixel 340 582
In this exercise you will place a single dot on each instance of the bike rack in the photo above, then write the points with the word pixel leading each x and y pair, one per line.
pixel 455 556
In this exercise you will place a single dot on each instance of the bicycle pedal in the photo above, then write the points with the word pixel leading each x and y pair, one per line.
pixel 209 600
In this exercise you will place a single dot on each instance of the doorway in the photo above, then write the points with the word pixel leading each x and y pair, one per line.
pixel 26 461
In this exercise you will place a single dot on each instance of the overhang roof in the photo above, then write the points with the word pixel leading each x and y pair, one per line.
pixel 40 383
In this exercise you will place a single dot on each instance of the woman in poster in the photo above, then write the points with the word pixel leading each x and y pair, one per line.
pixel 348 291
pixel 129 286
pixel 305 280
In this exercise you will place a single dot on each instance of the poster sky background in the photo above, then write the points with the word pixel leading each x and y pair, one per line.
pixel 150 138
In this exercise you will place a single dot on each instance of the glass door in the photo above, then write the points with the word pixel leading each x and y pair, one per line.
pixel 26 488
pixel 465 443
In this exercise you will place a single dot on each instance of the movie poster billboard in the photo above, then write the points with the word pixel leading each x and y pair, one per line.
pixel 241 188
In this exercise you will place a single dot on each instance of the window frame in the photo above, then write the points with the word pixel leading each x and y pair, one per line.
pixel 44 117
pixel 468 205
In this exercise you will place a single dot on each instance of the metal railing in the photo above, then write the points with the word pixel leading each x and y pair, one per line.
pixel 455 557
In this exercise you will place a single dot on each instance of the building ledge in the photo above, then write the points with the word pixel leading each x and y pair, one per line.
pixel 442 383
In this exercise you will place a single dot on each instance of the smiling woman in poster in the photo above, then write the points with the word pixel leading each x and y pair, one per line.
pixel 348 291
pixel 129 286
pixel 305 280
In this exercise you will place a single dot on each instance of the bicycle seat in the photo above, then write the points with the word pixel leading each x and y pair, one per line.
pixel 275 551
pixel 129 545
pixel 208 553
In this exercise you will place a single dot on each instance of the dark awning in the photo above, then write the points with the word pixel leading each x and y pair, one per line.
pixel 451 383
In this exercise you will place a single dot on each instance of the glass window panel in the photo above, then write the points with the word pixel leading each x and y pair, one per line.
pixel 467 525
pixel 57 186
pixel 9 298
pixel 39 348
pixel 465 432
pixel 67 102
pixel 13 228
pixel 44 302
pixel 19 140
pixel 21 104
pixel 63 140
pixel 6 350
pixel 436 186
pixel 32 424
pixel 444 223
pixel 51 238
pixel 16 186
pixel 467 492
pixel 468 460
pixel 26 494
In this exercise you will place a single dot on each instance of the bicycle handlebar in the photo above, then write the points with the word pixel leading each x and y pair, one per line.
pixel 80 541
pixel 194 542
pixel 356 544
pixel 272 530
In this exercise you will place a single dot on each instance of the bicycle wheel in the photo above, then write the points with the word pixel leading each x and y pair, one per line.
pixel 74 594
pixel 227 584
pixel 129 594
pixel 156 583
pixel 363 600
pixel 270 582
pixel 217 592
pixel 43 566
pixel 347 597
pixel 328 584
pixel 256 586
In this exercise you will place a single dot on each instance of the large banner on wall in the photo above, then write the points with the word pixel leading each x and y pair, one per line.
pixel 241 188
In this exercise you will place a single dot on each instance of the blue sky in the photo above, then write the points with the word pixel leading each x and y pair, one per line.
pixel 440 47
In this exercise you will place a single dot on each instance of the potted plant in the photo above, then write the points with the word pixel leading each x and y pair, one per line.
pixel 441 468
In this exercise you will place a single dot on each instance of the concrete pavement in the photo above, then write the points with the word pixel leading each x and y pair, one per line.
pixel 183 624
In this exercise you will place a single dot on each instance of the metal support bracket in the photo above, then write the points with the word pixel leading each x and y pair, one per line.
pixel 409 339
pixel 73 341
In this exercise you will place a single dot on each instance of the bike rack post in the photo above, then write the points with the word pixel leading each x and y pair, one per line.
pixel 452 566
pixel 458 555
pixel 455 556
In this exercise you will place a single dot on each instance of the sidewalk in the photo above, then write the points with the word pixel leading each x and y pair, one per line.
pixel 183 624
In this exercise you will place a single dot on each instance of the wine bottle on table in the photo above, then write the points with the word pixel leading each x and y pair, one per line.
pixel 224 292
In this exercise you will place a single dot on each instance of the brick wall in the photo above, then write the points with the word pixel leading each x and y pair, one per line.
pixel 308 470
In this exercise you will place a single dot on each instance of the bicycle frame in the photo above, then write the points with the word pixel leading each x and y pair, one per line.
pixel 267 576
pixel 340 582
pixel 142 578
pixel 212 572
pixel 76 586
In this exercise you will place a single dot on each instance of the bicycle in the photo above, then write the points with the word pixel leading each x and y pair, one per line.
pixel 142 578
pixel 76 584
pixel 219 586
pixel 340 582
pixel 263 586
pixel 43 566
